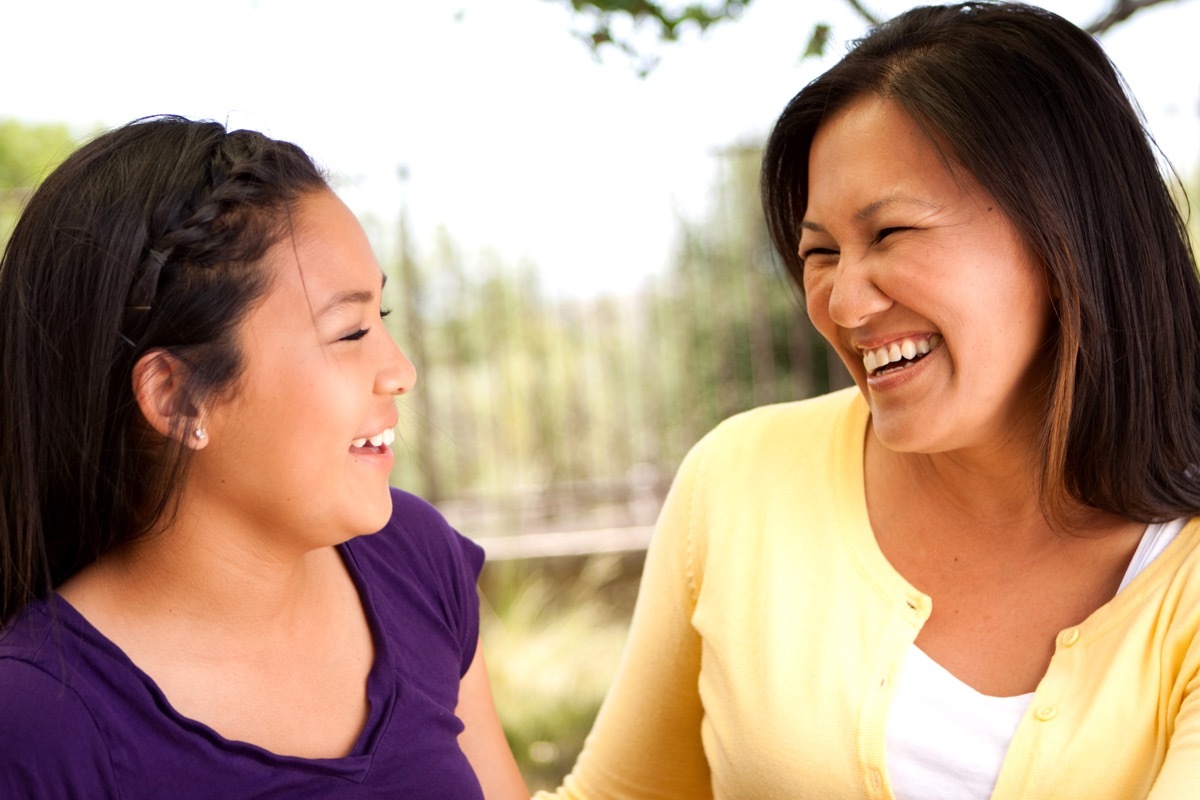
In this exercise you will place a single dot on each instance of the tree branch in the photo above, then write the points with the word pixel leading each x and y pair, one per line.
pixel 706 13
pixel 1120 11
pixel 870 16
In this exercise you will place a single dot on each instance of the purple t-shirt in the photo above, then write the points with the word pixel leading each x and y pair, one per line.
pixel 79 720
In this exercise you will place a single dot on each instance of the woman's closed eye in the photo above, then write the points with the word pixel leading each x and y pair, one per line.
pixel 818 253
pixel 885 232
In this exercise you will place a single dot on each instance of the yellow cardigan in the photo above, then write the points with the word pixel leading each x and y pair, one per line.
pixel 770 628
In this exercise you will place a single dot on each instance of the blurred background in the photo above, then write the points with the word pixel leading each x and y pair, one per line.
pixel 565 195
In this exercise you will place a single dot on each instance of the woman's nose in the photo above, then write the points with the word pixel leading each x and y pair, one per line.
pixel 855 296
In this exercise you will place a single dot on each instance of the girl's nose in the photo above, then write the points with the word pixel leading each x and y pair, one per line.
pixel 399 375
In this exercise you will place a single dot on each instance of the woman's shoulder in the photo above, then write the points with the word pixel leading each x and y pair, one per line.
pixel 794 453
pixel 1176 569
pixel 830 419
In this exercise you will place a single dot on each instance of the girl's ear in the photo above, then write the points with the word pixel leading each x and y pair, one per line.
pixel 159 384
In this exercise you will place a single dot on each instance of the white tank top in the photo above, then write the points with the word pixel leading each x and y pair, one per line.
pixel 946 741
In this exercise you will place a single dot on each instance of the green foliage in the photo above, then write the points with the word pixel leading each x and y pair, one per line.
pixel 27 153
pixel 608 21
pixel 552 633
pixel 534 413
pixel 746 340
pixel 818 41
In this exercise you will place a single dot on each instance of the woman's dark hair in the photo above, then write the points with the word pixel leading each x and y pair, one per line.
pixel 149 237
pixel 1034 110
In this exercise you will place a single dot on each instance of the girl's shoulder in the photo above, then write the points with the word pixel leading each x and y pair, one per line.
pixel 50 743
pixel 417 533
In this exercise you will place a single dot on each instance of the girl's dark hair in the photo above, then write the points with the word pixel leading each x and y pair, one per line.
pixel 1032 108
pixel 149 237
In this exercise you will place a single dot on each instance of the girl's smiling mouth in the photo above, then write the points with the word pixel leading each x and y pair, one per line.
pixel 374 444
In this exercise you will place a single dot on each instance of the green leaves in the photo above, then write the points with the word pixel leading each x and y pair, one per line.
pixel 608 20
pixel 28 152
pixel 635 26
pixel 818 41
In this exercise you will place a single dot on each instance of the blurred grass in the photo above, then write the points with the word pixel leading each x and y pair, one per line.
pixel 553 631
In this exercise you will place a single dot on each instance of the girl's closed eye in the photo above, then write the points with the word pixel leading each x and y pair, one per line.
pixel 361 332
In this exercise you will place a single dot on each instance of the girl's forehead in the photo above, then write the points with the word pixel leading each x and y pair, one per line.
pixel 324 256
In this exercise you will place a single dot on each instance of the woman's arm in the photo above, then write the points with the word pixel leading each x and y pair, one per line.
pixel 482 739
pixel 646 741
pixel 1180 774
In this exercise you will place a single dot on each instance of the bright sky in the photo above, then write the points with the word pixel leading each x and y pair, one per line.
pixel 515 139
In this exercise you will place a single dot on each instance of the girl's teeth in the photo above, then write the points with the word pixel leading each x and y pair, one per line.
pixel 869 362
pixel 908 349
pixel 894 352
pixel 383 437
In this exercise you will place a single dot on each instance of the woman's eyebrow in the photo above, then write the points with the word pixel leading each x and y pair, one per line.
pixel 871 209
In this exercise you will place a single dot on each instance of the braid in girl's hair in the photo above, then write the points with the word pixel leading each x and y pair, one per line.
pixel 240 179
pixel 150 237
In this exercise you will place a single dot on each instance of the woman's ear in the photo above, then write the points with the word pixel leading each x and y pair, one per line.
pixel 159 384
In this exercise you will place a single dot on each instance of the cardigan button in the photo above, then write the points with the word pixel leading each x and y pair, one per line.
pixel 876 779
pixel 1046 713
pixel 1068 637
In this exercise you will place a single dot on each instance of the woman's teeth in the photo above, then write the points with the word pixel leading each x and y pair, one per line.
pixel 383 437
pixel 903 350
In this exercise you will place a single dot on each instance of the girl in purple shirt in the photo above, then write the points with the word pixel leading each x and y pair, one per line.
pixel 194 446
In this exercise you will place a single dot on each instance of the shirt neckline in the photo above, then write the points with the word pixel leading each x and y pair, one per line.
pixel 875 567
pixel 380 694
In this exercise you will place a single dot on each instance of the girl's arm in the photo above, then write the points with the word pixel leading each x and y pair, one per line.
pixel 482 740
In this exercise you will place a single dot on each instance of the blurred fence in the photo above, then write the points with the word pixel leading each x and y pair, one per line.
pixel 542 415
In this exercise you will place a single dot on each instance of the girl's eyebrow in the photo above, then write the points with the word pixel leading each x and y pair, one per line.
pixel 351 297
pixel 355 297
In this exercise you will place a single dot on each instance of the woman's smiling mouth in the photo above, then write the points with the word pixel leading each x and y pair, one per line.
pixel 899 354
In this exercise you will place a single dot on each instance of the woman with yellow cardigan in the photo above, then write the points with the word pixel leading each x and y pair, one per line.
pixel 975 574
